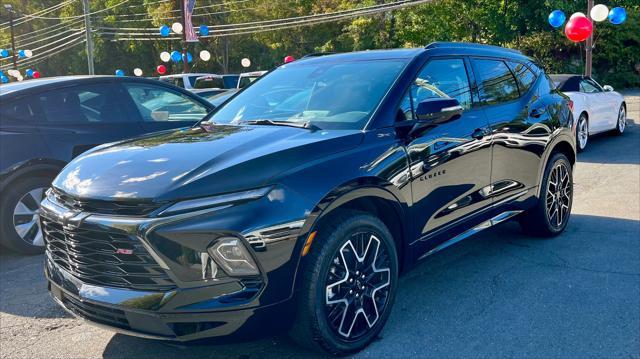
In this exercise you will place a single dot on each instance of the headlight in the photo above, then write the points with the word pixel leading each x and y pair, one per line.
pixel 220 200
pixel 233 257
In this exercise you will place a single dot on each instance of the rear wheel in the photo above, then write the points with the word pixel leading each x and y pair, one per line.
pixel 20 214
pixel 349 284
pixel 551 215
pixel 582 132
pixel 622 121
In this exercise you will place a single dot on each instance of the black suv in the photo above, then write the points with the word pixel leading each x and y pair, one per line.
pixel 297 203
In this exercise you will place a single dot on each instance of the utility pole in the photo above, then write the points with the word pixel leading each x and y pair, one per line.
pixel 87 33
pixel 588 66
pixel 14 54
pixel 185 63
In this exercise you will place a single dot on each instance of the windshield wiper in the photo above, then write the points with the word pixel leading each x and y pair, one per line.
pixel 308 125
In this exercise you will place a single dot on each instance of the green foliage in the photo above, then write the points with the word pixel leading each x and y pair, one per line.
pixel 520 24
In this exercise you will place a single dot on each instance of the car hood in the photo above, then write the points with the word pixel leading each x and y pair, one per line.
pixel 196 162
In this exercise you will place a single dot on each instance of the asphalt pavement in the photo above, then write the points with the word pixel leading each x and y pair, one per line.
pixel 499 294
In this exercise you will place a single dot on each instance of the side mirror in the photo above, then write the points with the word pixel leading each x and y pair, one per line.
pixel 607 88
pixel 435 111
pixel 438 110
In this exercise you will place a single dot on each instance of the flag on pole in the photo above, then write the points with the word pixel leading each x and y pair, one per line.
pixel 188 24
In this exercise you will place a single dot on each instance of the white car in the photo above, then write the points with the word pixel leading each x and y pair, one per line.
pixel 186 81
pixel 247 78
pixel 596 108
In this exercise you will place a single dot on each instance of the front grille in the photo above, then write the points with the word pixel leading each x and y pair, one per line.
pixel 96 313
pixel 103 258
pixel 124 208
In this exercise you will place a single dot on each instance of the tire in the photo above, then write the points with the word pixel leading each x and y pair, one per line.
pixel 19 208
pixel 539 220
pixel 582 133
pixel 621 124
pixel 322 316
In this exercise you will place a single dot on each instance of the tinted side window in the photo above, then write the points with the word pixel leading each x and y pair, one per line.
pixel 18 111
pixel 497 82
pixel 156 103
pixel 524 76
pixel 441 79
pixel 82 104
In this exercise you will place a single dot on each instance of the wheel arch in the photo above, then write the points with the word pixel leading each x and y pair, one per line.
pixel 564 145
pixel 29 168
pixel 370 195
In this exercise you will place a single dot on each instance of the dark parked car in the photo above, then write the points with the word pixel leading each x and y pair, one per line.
pixel 282 212
pixel 45 123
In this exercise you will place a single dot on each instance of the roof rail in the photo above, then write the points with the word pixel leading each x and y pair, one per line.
pixel 317 54
pixel 467 45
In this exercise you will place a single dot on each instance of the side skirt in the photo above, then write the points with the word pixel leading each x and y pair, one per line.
pixel 482 226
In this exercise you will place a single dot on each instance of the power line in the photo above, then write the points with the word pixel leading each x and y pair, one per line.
pixel 26 45
pixel 81 16
pixel 58 29
pixel 39 12
pixel 195 8
pixel 277 24
pixel 48 53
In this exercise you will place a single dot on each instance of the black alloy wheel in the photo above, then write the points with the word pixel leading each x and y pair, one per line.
pixel 558 195
pixel 348 284
pixel 357 285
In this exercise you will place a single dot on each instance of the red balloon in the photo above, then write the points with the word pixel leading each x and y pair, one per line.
pixel 289 59
pixel 161 69
pixel 36 74
pixel 578 29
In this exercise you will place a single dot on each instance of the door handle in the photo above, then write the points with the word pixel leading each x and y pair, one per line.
pixel 479 133
pixel 537 112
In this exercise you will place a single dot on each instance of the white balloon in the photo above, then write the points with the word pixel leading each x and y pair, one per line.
pixel 205 55
pixel 177 27
pixel 14 73
pixel 245 62
pixel 29 53
pixel 137 72
pixel 599 12
pixel 577 14
pixel 20 78
pixel 165 56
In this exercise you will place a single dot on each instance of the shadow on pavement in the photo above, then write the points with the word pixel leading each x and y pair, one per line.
pixel 611 149
pixel 500 286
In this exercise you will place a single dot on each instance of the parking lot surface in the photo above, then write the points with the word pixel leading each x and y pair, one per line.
pixel 499 294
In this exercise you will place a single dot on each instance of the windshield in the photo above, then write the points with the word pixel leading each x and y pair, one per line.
pixel 329 95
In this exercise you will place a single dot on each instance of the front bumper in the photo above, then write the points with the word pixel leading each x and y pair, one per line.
pixel 183 302
pixel 121 310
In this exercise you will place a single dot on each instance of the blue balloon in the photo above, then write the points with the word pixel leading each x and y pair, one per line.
pixel 4 79
pixel 176 56
pixel 164 30
pixel 204 30
pixel 557 18
pixel 21 54
pixel 617 15
pixel 4 52
pixel 189 57
pixel 29 72
pixel 119 72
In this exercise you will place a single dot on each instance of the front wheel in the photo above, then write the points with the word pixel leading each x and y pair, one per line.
pixel 20 215
pixel 622 121
pixel 348 284
pixel 582 133
pixel 551 215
